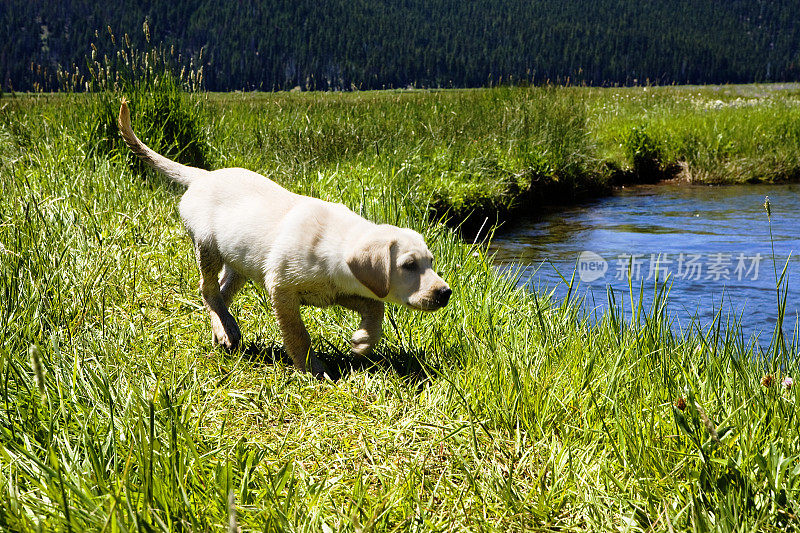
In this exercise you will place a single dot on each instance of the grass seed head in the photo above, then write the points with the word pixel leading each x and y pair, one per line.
pixel 36 364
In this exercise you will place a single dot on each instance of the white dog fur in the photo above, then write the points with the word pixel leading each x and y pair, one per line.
pixel 305 251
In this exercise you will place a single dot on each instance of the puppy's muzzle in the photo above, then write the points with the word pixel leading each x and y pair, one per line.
pixel 442 296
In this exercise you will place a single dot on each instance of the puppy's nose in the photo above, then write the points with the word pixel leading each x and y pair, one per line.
pixel 443 295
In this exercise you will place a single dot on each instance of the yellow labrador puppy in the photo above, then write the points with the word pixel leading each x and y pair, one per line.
pixel 305 251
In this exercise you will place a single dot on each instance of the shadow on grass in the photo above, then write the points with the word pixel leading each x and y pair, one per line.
pixel 409 364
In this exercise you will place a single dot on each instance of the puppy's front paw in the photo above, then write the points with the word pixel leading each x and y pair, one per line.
pixel 227 337
pixel 221 339
pixel 361 344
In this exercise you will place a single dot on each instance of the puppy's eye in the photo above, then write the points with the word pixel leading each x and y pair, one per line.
pixel 409 265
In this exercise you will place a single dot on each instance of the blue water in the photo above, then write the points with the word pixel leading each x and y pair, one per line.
pixel 711 245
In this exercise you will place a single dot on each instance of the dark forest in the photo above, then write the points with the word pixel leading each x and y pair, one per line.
pixel 335 44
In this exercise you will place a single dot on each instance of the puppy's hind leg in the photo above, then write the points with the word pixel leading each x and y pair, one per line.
pixel 224 329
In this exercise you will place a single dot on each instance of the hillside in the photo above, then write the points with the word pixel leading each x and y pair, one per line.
pixel 432 43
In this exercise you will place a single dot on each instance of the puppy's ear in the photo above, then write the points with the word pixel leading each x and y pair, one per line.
pixel 371 264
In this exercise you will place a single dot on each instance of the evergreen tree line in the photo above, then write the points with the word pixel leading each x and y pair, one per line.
pixel 337 44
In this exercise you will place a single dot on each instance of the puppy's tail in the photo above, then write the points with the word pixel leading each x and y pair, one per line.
pixel 172 169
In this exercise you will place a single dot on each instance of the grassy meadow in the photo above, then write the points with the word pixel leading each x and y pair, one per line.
pixel 505 411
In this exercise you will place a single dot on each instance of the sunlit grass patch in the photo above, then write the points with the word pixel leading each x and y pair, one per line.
pixel 723 134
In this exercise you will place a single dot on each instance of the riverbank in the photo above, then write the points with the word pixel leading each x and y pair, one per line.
pixel 504 411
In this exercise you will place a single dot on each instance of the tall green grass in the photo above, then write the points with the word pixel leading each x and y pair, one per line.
pixel 505 411
pixel 462 154
pixel 160 88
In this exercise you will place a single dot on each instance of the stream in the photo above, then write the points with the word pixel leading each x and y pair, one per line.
pixel 712 245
